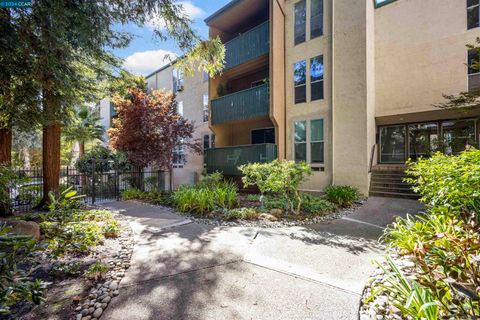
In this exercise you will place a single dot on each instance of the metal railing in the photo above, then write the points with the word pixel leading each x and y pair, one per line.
pixel 241 105
pixel 247 46
pixel 227 159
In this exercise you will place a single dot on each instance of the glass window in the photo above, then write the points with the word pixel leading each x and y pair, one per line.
pixel 423 140
pixel 473 61
pixel 458 135
pixel 316 18
pixel 392 144
pixel 260 136
pixel 300 81
pixel 205 76
pixel 300 21
pixel 179 158
pixel 206 146
pixel 473 16
pixel 379 3
pixel 316 141
pixel 177 80
pixel 301 141
pixel 205 107
pixel 180 108
pixel 316 78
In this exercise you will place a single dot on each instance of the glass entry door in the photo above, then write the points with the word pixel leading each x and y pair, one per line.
pixel 393 144
pixel 423 140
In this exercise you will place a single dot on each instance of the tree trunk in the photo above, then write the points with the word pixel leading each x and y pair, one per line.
pixel 50 160
pixel 5 159
pixel 81 149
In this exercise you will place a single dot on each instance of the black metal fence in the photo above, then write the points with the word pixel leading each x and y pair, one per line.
pixel 97 185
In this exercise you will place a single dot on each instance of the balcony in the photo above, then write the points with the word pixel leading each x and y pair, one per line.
pixel 247 46
pixel 227 159
pixel 241 105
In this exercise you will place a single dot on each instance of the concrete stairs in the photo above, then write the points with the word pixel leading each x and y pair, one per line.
pixel 387 181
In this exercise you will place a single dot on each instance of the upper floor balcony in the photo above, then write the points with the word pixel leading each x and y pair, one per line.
pixel 241 105
pixel 248 46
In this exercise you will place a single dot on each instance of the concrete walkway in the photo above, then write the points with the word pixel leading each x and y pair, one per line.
pixel 184 270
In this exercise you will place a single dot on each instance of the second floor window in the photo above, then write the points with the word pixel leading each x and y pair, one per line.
pixel 205 107
pixel 473 70
pixel 316 18
pixel 316 78
pixel 473 14
pixel 177 80
pixel 180 108
pixel 300 22
pixel 300 81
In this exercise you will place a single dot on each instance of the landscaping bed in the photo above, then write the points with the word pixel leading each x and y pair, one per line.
pixel 72 271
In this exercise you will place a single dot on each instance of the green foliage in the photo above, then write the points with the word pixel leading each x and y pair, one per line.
pixel 315 205
pixel 85 126
pixel 279 177
pixel 202 200
pixel 60 269
pixel 16 282
pixel 451 181
pixel 253 197
pixel 67 200
pixel 344 196
pixel 8 179
pixel 111 229
pixel 211 180
pixel 97 270
pixel 103 159
pixel 241 213
pixel 154 197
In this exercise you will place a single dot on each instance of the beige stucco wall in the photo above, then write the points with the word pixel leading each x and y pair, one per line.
pixel 420 54
pixel 319 109
pixel 192 97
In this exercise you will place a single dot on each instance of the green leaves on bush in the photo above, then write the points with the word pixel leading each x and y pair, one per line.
pixel 154 197
pixel 344 196
pixel 241 213
pixel 315 205
pixel 68 200
pixel 97 270
pixel 279 177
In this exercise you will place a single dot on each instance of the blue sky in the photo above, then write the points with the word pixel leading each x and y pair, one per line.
pixel 146 54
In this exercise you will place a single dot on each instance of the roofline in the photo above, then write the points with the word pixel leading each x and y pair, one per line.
pixel 222 10
pixel 162 68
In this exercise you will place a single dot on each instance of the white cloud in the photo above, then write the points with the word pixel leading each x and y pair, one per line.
pixel 145 62
pixel 191 10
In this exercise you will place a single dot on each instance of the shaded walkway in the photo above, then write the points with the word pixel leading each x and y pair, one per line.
pixel 184 270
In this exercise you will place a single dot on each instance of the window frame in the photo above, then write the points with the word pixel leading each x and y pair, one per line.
pixel 317 81
pixel 298 3
pixel 478 14
pixel 321 15
pixel 205 109
pixel 261 129
pixel 384 3
pixel 211 145
pixel 295 86
pixel 308 141
pixel 322 141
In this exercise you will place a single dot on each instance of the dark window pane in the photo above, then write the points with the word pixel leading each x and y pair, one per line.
pixel 316 68
pixel 423 140
pixel 317 90
pixel 458 135
pixel 258 136
pixel 300 21
pixel 300 131
pixel 472 2
pixel 301 94
pixel 473 61
pixel 206 142
pixel 316 18
pixel 300 152
pixel 473 17
pixel 300 72
pixel 392 144
pixel 317 152
pixel 270 135
pixel 316 128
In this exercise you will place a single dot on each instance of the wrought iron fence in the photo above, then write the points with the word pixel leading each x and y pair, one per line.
pixel 97 185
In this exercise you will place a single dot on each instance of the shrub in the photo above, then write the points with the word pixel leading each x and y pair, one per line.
pixel 155 197
pixel 278 177
pixel 66 269
pixel 131 194
pixel 111 229
pixel 66 201
pixel 212 180
pixel 241 213
pixel 8 179
pixel 16 281
pixel 344 196
pixel 253 197
pixel 315 205
pixel 97 270
pixel 445 180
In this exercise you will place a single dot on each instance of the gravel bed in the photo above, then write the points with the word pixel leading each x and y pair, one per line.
pixel 102 293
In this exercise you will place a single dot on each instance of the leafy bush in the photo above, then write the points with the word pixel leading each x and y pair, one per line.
pixel 66 269
pixel 104 160
pixel 241 213
pixel 111 229
pixel 253 197
pixel 445 180
pixel 155 197
pixel 68 200
pixel 132 194
pixel 315 205
pixel 97 270
pixel 16 282
pixel 278 177
pixel 212 180
pixel 344 196
pixel 8 179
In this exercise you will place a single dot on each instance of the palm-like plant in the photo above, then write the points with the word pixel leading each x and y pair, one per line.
pixel 85 127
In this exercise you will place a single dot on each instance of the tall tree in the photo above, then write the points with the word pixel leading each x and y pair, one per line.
pixel 85 127
pixel 148 129
pixel 63 37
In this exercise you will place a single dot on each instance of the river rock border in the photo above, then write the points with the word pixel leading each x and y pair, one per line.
pixel 380 307
pixel 102 293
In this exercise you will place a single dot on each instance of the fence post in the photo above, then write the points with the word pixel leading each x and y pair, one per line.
pixel 93 181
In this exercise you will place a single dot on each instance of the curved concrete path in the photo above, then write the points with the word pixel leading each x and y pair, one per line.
pixel 184 270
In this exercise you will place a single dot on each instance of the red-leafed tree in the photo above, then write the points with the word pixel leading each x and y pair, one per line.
pixel 148 128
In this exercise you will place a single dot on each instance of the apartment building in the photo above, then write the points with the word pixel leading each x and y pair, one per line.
pixel 350 86
pixel 192 99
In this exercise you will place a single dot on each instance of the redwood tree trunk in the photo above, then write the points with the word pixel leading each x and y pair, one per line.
pixel 50 160
pixel 6 159
pixel 81 149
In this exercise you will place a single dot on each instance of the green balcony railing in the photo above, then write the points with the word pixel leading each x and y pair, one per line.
pixel 241 105
pixel 247 46
pixel 227 159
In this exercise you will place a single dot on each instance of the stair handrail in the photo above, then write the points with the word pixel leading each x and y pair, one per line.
pixel 372 154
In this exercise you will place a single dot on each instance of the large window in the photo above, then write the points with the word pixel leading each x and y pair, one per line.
pixel 392 144
pixel 300 21
pixel 179 157
pixel 260 136
pixel 205 107
pixel 208 142
pixel 423 140
pixel 300 81
pixel 473 16
pixel 473 70
pixel 309 141
pixel 177 80
pixel 316 78
pixel 458 135
pixel 316 18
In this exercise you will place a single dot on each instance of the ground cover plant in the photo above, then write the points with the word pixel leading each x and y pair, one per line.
pixel 344 196
pixel 444 243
